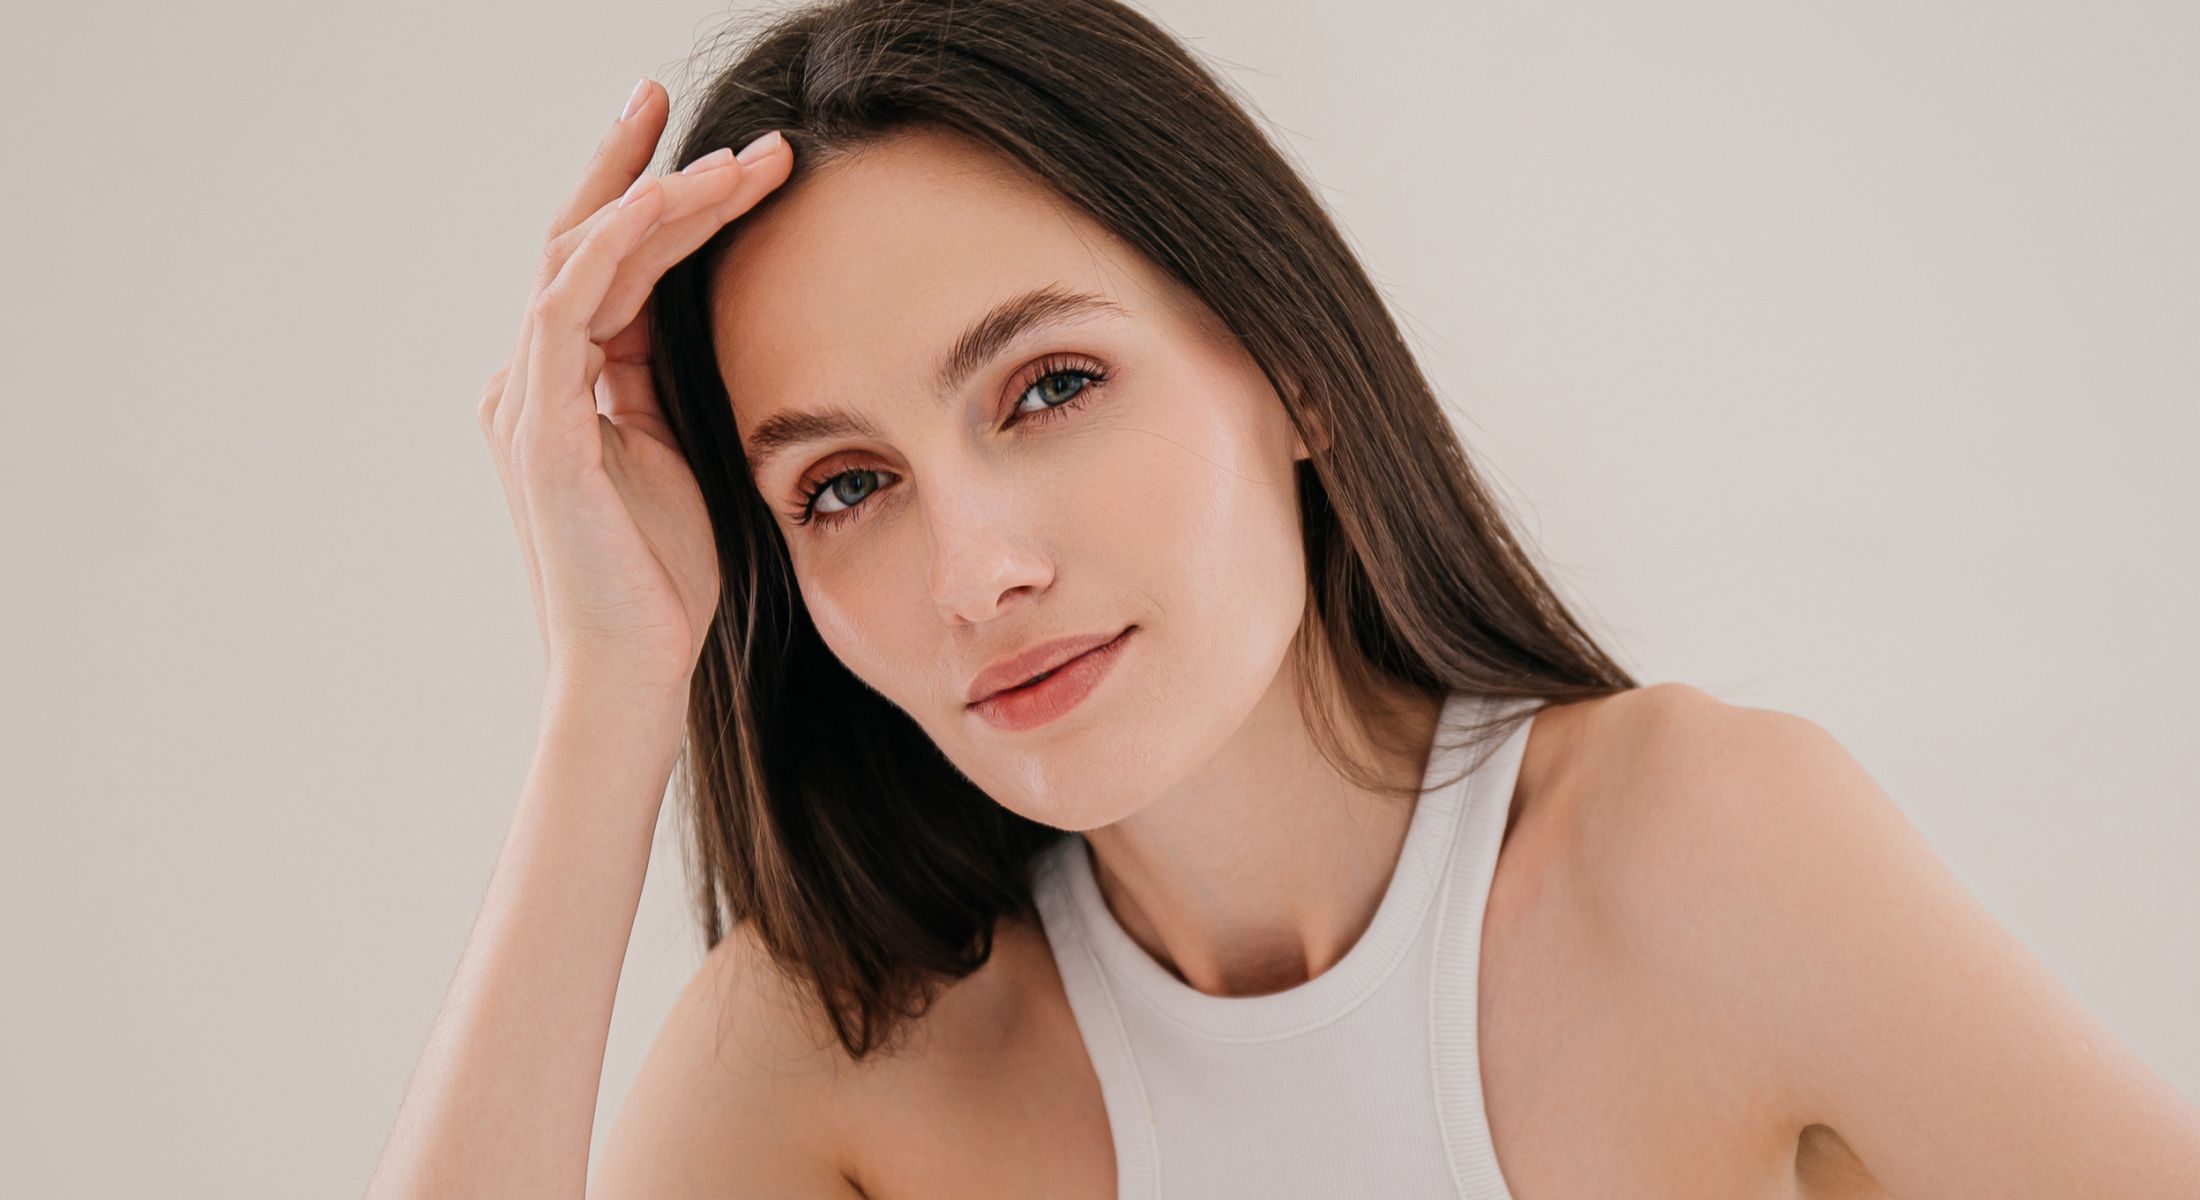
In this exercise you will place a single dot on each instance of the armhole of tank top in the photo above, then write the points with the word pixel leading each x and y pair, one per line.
pixel 1453 1014
pixel 1092 1005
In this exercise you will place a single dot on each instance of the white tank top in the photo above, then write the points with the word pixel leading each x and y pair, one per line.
pixel 1362 1081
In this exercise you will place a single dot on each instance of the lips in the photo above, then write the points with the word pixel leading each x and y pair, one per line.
pixel 1021 668
pixel 1023 709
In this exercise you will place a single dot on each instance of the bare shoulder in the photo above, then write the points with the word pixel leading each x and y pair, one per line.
pixel 732 1098
pixel 1652 863
pixel 1671 790
pixel 1769 898
pixel 747 1093
pixel 1679 819
pixel 1669 769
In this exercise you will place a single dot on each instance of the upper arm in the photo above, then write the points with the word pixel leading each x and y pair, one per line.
pixel 729 1102
pixel 1771 887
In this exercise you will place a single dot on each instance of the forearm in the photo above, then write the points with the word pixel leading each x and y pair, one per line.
pixel 503 1100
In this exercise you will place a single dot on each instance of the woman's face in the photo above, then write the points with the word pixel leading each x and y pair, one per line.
pixel 1119 462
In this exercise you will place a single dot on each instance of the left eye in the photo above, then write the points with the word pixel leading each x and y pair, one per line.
pixel 1058 396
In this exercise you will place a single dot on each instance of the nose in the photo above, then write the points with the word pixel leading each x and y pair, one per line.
pixel 984 553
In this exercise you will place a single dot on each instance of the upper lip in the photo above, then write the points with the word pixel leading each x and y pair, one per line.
pixel 1022 665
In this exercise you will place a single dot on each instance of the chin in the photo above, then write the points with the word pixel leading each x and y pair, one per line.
pixel 1079 817
pixel 1068 800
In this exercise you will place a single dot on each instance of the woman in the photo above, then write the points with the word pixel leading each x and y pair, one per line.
pixel 1128 752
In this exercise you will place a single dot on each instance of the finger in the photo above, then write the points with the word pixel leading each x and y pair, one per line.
pixel 620 157
pixel 514 401
pixel 627 388
pixel 726 192
pixel 699 190
pixel 680 193
pixel 492 393
pixel 498 422
pixel 619 160
pixel 560 411
pixel 683 193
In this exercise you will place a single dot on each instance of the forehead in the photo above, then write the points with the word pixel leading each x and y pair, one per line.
pixel 860 277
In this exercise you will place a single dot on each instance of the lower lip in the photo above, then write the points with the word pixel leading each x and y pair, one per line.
pixel 1031 706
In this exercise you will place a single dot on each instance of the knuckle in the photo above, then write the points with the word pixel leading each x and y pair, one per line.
pixel 559 245
pixel 553 256
pixel 555 312
pixel 542 307
pixel 501 421
pixel 561 222
pixel 492 397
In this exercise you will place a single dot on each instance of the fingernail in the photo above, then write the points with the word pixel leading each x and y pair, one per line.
pixel 634 101
pixel 637 190
pixel 759 148
pixel 716 158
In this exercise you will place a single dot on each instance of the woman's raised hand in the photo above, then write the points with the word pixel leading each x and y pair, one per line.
pixel 617 541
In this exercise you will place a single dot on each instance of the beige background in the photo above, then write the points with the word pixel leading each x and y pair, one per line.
pixel 1840 359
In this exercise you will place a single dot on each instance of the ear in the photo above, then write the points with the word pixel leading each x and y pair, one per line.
pixel 1288 386
pixel 1321 437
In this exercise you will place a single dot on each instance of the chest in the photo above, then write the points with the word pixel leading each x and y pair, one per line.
pixel 996 1096
pixel 1588 1090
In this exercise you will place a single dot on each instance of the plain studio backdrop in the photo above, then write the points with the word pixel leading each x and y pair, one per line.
pixel 1834 359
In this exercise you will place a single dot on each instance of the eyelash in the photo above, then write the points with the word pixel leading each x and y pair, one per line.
pixel 1093 374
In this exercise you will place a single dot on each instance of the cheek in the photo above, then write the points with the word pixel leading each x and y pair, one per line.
pixel 870 599
pixel 1202 494
pixel 854 622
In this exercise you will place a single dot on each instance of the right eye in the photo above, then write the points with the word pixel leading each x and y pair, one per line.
pixel 828 518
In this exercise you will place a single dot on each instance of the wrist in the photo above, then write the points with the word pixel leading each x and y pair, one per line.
pixel 637 717
pixel 596 747
pixel 596 696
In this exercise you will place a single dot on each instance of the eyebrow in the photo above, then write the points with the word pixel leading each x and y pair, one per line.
pixel 1041 307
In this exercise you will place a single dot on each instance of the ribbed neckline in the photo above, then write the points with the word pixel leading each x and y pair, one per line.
pixel 1399 916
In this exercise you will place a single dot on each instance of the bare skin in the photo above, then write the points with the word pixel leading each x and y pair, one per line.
pixel 999 1099
pixel 620 566
pixel 1614 1063
pixel 1716 961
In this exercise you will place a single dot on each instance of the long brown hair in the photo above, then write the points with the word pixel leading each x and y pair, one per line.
pixel 868 866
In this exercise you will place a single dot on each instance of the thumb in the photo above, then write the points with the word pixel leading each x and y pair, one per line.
pixel 627 387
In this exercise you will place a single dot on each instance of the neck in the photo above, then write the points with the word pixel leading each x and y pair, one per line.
pixel 1262 869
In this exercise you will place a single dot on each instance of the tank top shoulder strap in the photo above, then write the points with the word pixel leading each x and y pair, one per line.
pixel 1092 1005
pixel 1453 1011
